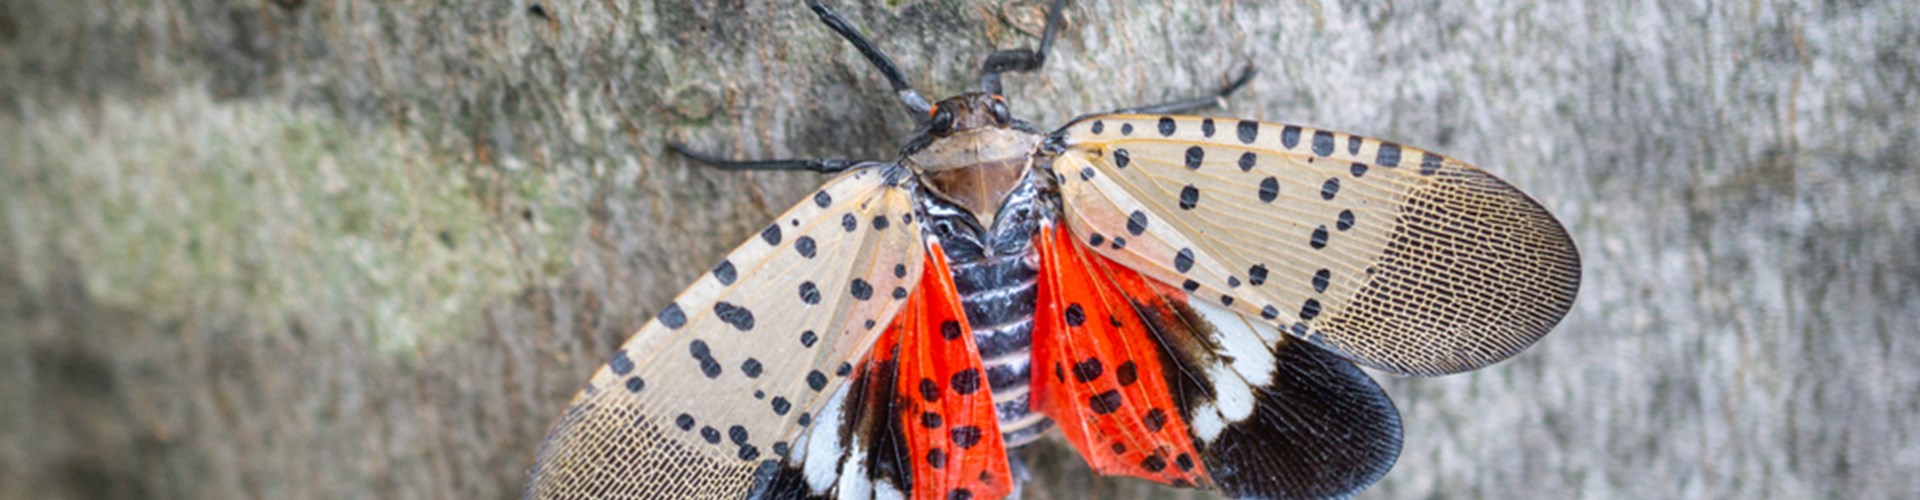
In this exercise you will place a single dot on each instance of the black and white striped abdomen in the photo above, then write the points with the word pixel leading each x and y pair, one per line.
pixel 997 293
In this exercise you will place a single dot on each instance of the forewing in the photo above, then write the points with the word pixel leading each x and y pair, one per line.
pixel 1397 258
pixel 917 420
pixel 718 385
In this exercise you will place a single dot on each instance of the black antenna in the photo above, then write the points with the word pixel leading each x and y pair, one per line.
pixel 1001 61
pixel 916 105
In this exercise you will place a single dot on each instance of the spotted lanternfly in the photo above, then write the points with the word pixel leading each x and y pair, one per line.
pixel 1185 298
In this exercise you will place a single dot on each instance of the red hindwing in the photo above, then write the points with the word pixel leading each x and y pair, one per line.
pixel 1098 370
pixel 944 406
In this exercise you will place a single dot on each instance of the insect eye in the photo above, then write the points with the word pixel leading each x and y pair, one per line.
pixel 942 121
pixel 1000 112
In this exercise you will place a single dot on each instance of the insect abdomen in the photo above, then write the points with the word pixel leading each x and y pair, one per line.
pixel 997 293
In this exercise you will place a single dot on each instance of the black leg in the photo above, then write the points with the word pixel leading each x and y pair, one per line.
pixel 917 106
pixel 1197 103
pixel 821 165
pixel 1001 61
pixel 1180 106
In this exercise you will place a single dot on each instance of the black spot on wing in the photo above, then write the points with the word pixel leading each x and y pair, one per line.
pixel 1247 130
pixel 725 272
pixel 1322 143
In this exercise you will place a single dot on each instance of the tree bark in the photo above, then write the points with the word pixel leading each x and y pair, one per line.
pixel 340 249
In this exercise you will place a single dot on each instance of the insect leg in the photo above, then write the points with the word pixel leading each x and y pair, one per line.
pixel 917 106
pixel 822 165
pixel 1022 59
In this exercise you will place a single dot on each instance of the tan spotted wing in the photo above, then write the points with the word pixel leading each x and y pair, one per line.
pixel 720 384
pixel 1397 258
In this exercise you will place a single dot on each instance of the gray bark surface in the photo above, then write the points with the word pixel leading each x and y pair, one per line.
pixel 345 249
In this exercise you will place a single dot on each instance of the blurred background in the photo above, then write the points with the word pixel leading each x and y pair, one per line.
pixel 353 249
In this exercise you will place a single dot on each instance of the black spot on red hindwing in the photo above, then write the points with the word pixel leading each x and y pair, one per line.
pixel 965 382
pixel 1118 448
pixel 960 493
pixel 1074 315
pixel 937 458
pixel 1105 402
pixel 1322 143
pixel 930 420
pixel 929 391
pixel 965 436
pixel 1088 370
pixel 1154 463
pixel 1127 373
pixel 950 330
pixel 1154 419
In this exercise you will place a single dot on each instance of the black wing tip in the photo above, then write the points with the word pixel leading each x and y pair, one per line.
pixel 1339 433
